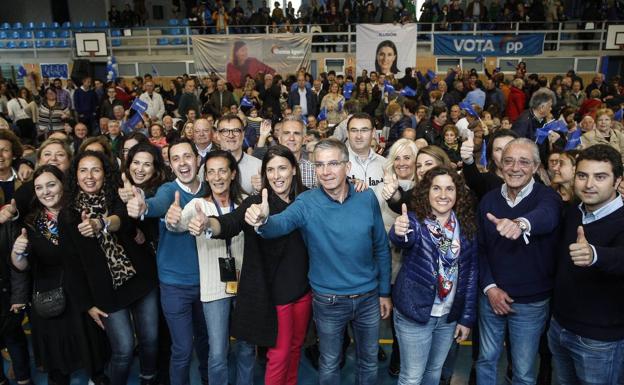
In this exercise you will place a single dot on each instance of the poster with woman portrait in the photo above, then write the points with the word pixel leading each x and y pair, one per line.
pixel 233 58
pixel 385 48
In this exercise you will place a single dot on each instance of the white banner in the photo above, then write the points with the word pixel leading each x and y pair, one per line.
pixel 386 48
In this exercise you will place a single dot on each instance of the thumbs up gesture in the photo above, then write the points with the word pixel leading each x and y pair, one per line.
pixel 21 244
pixel 506 227
pixel 88 227
pixel 391 185
pixel 581 251
pixel 126 192
pixel 256 181
pixel 401 224
pixel 199 223
pixel 466 150
pixel 136 204
pixel 8 212
pixel 256 214
pixel 174 214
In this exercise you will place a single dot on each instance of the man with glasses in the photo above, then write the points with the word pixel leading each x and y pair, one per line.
pixel 349 259
pixel 366 165
pixel 230 137
pixel 517 241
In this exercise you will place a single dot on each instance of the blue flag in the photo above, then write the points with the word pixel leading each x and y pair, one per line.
pixel 139 106
pixel 574 140
pixel 388 87
pixel 468 108
pixel 304 119
pixel 408 91
pixel 154 70
pixel 554 125
pixel 322 115
pixel 21 72
pixel 340 105
pixel 483 161
pixel 497 69
pixel 511 64
pixel 129 125
pixel 431 74
pixel 347 90
pixel 245 102
pixel 479 59
pixel 619 114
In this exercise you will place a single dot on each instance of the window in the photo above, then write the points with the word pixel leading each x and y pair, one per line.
pixel 445 64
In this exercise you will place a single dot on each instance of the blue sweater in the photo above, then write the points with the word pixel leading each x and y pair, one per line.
pixel 347 243
pixel 525 272
pixel 416 285
pixel 177 259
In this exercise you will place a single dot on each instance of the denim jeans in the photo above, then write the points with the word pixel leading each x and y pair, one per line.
pixel 581 360
pixel 424 348
pixel 120 331
pixel 526 324
pixel 185 317
pixel 332 313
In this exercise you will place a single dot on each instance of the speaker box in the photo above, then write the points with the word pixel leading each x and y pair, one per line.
pixel 80 70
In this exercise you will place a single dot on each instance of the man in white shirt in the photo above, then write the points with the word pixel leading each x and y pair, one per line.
pixel 17 111
pixel 366 165
pixel 155 104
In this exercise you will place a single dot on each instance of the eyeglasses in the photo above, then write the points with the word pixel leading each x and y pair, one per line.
pixel 523 163
pixel 364 130
pixel 332 165
pixel 230 132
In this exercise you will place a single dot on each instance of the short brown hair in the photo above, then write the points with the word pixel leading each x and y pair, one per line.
pixel 16 145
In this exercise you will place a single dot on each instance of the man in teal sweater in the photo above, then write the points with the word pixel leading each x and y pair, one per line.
pixel 178 266
pixel 349 258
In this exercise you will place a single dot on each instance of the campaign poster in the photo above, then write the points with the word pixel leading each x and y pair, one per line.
pixel 385 48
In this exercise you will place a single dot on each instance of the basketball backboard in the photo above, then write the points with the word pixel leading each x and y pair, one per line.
pixel 91 44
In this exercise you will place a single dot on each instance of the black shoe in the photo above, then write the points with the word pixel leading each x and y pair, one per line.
pixel 394 370
pixel 445 381
pixel 544 377
pixel 312 353
pixel 472 379
pixel 381 355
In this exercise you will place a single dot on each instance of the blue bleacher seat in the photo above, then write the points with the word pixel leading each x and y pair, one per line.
pixel 104 24
pixel 14 34
pixel 38 43
pixel 25 44
pixel 175 31
pixel 40 34
pixel 5 26
pixel 116 42
pixel 66 25
pixel 11 44
pixel 30 25
pixel 49 44
pixel 91 24
pixel 1 44
pixel 116 32
pixel 62 44
pixel 185 22
pixel 77 25
pixel 3 35
pixel 173 22
pixel 51 34
pixel 177 41
pixel 55 25
pixel 42 25
pixel 162 41
pixel 26 35
pixel 65 34
pixel 17 25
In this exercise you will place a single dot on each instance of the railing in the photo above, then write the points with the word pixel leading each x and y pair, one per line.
pixel 153 40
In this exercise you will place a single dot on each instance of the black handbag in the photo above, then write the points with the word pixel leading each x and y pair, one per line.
pixel 49 303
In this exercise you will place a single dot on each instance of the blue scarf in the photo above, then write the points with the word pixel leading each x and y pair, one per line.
pixel 446 239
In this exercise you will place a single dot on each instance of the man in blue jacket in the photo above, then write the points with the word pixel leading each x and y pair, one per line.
pixel 86 103
pixel 586 334
pixel 535 116
pixel 349 258
pixel 517 239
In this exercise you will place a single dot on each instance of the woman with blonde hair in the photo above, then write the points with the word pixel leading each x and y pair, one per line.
pixel 604 132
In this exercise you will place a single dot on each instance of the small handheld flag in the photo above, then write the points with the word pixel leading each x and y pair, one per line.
pixel 574 141
pixel 408 91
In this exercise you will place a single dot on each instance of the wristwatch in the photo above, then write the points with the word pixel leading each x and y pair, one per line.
pixel 521 224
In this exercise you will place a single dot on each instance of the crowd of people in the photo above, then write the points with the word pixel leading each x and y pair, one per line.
pixel 456 205
pixel 334 16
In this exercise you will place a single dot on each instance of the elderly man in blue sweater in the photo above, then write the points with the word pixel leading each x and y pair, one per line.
pixel 349 258
pixel 517 239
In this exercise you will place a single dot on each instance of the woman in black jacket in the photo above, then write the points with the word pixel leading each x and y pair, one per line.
pixel 109 274
pixel 274 303
pixel 68 341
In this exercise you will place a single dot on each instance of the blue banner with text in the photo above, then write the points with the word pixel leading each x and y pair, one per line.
pixel 489 45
